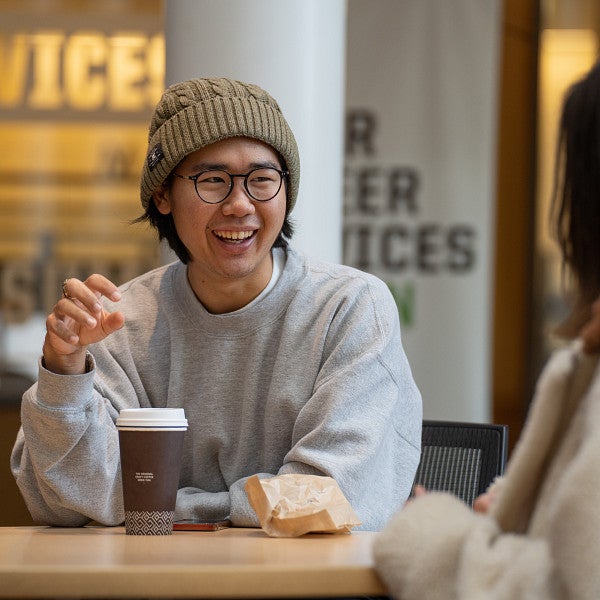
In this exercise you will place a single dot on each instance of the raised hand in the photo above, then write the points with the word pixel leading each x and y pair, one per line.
pixel 78 320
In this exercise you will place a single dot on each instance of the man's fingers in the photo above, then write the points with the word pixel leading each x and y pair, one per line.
pixel 61 330
pixel 104 286
pixel 88 293
pixel 111 322
pixel 75 310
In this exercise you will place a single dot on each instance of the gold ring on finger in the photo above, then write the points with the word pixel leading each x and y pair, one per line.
pixel 65 291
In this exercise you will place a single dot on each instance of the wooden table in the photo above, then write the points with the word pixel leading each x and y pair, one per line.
pixel 103 562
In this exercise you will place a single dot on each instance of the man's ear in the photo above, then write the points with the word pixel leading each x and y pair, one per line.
pixel 162 200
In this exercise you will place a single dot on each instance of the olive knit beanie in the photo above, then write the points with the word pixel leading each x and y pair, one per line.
pixel 199 112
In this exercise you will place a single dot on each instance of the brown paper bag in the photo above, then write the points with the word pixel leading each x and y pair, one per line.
pixel 292 505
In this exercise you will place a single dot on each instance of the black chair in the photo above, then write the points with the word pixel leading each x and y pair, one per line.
pixel 461 458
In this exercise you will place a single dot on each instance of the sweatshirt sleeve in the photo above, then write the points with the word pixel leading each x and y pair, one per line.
pixel 362 424
pixel 438 548
pixel 66 456
pixel 194 503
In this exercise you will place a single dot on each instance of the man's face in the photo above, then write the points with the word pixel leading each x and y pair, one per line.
pixel 230 240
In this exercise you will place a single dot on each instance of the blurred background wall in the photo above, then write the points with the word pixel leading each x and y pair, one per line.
pixel 79 80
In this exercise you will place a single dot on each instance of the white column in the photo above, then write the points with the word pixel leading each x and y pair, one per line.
pixel 294 49
pixel 426 73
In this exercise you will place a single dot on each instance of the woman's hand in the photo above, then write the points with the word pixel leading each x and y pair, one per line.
pixel 418 491
pixel 590 332
pixel 483 502
pixel 78 320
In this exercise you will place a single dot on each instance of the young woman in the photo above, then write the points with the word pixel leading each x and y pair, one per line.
pixel 539 536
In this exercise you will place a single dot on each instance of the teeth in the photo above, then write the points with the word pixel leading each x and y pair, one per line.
pixel 234 235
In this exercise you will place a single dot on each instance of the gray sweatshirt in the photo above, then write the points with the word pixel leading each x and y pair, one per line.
pixel 312 378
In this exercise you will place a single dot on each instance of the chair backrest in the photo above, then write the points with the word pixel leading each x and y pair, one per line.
pixel 461 458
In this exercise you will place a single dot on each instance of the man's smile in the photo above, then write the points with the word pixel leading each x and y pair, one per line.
pixel 234 236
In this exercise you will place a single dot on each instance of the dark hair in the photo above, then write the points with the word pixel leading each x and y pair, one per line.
pixel 165 226
pixel 576 199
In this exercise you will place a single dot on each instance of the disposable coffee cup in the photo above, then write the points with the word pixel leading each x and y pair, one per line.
pixel 151 445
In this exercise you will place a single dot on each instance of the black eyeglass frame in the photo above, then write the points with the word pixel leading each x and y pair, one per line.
pixel 282 175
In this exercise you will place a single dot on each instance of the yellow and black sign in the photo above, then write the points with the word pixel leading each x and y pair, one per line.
pixel 78 88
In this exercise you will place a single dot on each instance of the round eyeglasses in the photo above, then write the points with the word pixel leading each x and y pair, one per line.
pixel 214 186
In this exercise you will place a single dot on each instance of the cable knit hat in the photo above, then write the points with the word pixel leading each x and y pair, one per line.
pixel 199 112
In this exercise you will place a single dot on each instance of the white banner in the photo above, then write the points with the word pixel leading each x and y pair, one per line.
pixel 422 81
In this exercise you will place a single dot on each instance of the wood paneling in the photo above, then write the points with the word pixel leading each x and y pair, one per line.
pixel 13 510
pixel 514 215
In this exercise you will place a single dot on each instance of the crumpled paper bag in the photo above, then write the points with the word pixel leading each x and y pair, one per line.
pixel 293 504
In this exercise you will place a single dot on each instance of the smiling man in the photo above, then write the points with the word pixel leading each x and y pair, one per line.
pixel 230 233
pixel 283 363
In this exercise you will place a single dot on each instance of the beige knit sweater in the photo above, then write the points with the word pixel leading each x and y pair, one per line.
pixel 541 539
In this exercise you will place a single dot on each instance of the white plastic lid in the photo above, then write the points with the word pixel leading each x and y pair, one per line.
pixel 152 417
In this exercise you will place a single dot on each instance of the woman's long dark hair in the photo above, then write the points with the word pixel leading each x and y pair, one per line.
pixel 576 199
